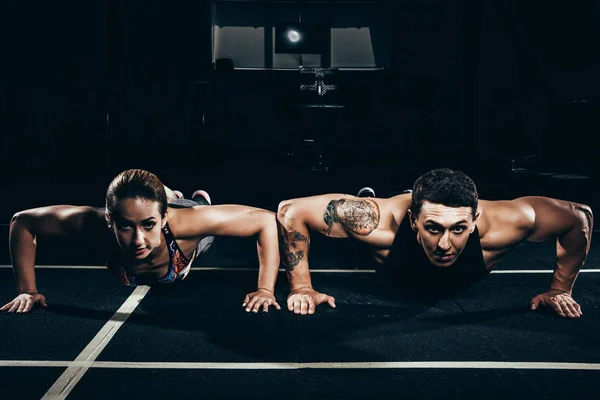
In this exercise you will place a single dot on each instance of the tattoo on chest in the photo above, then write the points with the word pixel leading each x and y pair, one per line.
pixel 289 243
pixel 358 216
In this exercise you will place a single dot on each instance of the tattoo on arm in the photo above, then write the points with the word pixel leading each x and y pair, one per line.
pixel 330 217
pixel 288 242
pixel 358 216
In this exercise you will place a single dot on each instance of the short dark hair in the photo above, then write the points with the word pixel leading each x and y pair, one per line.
pixel 134 183
pixel 444 186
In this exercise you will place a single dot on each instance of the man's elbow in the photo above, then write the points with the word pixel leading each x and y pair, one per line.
pixel 579 236
pixel 287 210
pixel 586 216
pixel 589 215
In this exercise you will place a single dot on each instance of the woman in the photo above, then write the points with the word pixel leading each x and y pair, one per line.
pixel 150 234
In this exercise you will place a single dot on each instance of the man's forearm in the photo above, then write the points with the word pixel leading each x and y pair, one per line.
pixel 299 278
pixel 566 272
pixel 562 282
pixel 294 243
pixel 572 250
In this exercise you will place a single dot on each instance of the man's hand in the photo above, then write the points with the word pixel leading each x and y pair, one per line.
pixel 560 301
pixel 305 300
pixel 262 297
pixel 24 303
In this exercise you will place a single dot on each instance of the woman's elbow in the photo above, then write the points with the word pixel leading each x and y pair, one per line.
pixel 266 224
pixel 18 218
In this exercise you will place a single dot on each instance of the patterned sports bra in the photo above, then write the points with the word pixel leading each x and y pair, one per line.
pixel 179 265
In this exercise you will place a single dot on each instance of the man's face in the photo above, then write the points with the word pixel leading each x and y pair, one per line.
pixel 443 231
pixel 137 225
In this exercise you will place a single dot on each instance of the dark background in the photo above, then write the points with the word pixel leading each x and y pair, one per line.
pixel 91 88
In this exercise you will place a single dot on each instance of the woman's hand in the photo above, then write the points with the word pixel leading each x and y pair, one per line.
pixel 262 297
pixel 24 303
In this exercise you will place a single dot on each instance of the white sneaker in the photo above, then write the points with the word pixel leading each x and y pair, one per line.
pixel 366 192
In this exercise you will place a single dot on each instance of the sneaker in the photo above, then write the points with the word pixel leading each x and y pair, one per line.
pixel 366 192
pixel 202 193
pixel 178 194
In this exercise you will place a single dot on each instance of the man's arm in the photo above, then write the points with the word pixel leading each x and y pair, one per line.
pixel 334 215
pixel 239 221
pixel 25 226
pixel 571 225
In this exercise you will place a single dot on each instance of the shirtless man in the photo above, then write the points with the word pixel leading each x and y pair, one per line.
pixel 439 236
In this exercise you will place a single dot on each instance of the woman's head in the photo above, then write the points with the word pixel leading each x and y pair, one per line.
pixel 136 210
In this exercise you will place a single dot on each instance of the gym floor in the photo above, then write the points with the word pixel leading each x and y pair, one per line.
pixel 99 339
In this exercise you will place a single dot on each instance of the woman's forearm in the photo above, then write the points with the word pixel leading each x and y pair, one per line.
pixel 268 253
pixel 22 252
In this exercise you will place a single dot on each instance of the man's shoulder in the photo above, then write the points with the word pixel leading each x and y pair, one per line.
pixel 505 220
pixel 397 206
pixel 513 211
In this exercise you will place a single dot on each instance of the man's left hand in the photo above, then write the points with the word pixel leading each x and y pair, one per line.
pixel 561 302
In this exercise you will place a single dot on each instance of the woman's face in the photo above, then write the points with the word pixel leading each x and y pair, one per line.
pixel 137 224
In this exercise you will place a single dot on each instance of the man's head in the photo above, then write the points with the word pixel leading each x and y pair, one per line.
pixel 443 212
pixel 136 209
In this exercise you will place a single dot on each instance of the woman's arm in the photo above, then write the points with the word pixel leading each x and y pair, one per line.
pixel 25 226
pixel 238 221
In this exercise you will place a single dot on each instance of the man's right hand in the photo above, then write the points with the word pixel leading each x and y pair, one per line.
pixel 24 303
pixel 305 300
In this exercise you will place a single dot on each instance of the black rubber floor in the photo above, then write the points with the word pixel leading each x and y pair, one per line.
pixel 338 384
pixel 201 321
pixel 79 304
pixel 27 383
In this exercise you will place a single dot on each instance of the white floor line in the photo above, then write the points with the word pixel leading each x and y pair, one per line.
pixel 69 378
pixel 63 266
pixel 535 271
pixel 317 365
pixel 346 271
pixel 35 363
pixel 336 271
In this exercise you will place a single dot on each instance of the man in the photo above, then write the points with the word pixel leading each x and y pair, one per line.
pixel 440 237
